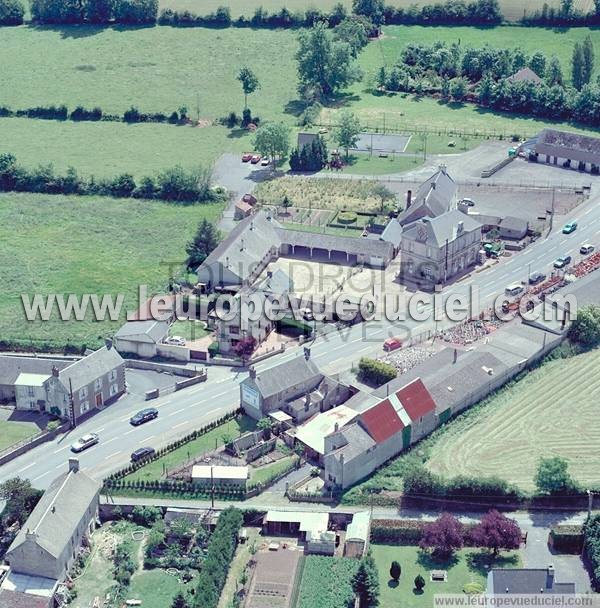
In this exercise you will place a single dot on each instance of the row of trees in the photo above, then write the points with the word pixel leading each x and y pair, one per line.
pixel 591 547
pixel 564 15
pixel 176 184
pixel 128 12
pixel 12 12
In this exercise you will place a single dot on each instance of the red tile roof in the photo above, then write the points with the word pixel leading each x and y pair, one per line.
pixel 381 421
pixel 416 399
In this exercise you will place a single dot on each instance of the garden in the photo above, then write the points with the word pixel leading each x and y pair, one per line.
pixel 327 582
pixel 12 432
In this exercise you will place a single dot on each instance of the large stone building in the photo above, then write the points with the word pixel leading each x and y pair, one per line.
pixel 566 149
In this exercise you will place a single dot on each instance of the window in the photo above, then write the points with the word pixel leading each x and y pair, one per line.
pixel 31 404
pixel 83 392
pixel 30 391
pixel 113 375
pixel 98 384
pixel 85 406
pixel 234 329
pixel 113 389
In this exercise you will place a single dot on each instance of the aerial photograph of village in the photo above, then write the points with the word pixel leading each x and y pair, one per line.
pixel 300 303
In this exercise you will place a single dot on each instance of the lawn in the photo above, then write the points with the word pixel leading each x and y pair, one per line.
pixel 106 149
pixel 467 566
pixel 208 441
pixel 190 330
pixel 155 588
pixel 87 245
pixel 327 582
pixel 14 432
pixel 269 471
pixel 523 422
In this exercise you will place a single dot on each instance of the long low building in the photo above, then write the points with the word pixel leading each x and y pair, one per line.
pixel 220 475
pixel 563 147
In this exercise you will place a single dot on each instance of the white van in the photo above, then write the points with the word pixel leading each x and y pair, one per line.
pixel 512 291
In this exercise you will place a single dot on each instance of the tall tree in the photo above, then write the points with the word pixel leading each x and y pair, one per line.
pixel 20 499
pixel 354 31
pixel 597 8
pixel 554 74
pixel 538 63
pixel 587 49
pixel 365 583
pixel 384 194
pixel 347 131
pixel 273 140
pixel 249 82
pixel 496 532
pixel 372 9
pixel 443 536
pixel 585 329
pixel 577 69
pixel 325 64
pixel 552 476
pixel 207 237
pixel 180 601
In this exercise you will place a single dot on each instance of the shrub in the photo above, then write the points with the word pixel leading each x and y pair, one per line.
pixel 11 12
pixel 123 185
pixel 185 185
pixel 136 12
pixel 80 113
pixel 346 217
pixel 375 372
pixel 567 538
pixel 591 548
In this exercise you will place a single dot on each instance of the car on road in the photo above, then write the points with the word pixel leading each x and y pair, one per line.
pixel 85 442
pixel 514 290
pixel 150 413
pixel 255 159
pixel 392 344
pixel 536 277
pixel 176 341
pixel 563 261
pixel 265 162
pixel 586 249
pixel 246 157
pixel 570 227
pixel 469 202
pixel 142 453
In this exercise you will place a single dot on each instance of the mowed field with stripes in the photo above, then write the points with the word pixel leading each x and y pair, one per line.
pixel 554 411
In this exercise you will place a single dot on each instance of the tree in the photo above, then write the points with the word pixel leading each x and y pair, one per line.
pixel 133 12
pixel 577 68
pixel 355 32
pixel 273 140
pixel 325 64
pixel 587 50
pixel 554 74
pixel 347 131
pixel 597 8
pixel 419 582
pixel 20 499
pixel 496 532
pixel 552 476
pixel 384 194
pixel 207 237
pixel 245 347
pixel 566 8
pixel 485 90
pixel 249 82
pixel 372 9
pixel 265 424
pixel 458 89
pixel 538 63
pixel 11 12
pixel 395 571
pixel 585 329
pixel 365 583
pixel 443 536
pixel 286 203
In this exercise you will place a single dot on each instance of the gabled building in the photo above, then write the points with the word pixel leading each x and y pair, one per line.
pixel 14 366
pixel 525 74
pixel 141 337
pixel 526 581
pixel 49 541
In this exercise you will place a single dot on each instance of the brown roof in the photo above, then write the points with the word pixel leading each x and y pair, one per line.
pixel 16 599
pixel 565 144
pixel 416 399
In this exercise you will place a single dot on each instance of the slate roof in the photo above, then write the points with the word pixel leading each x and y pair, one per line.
pixel 359 441
pixel 565 144
pixel 434 197
pixel 246 245
pixel 86 370
pixel 148 331
pixel 443 228
pixel 59 511
pixel 382 421
pixel 351 244
pixel 392 233
pixel 416 399
pixel 290 373
pixel 525 74
pixel 306 139
pixel 278 283
pixel 525 581
pixel 11 367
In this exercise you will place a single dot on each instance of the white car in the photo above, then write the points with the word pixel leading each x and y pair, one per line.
pixel 85 442
pixel 265 161
pixel 176 341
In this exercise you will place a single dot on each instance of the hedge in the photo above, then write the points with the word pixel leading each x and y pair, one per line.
pixel 11 12
pixel 567 538
pixel 375 372
pixel 406 531
pixel 591 548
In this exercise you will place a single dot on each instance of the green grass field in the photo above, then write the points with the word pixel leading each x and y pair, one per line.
pixel 551 412
pixel 468 566
pixel 80 245
pixel 13 432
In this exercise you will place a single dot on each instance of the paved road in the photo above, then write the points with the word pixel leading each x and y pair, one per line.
pixel 336 352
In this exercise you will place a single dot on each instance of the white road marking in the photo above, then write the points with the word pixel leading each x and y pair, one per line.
pixel 30 465
pixel 177 411
pixel 61 449
pixel 113 455
pixel 180 424
pixel 111 440
pixel 40 476
pixel 131 431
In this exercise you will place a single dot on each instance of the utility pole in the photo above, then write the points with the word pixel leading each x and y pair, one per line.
pixel 212 488
pixel 71 405
pixel 551 213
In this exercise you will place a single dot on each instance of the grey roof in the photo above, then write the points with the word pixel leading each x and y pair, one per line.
pixel 440 229
pixel 246 245
pixel 565 144
pixel 359 441
pixel 350 244
pixel 278 283
pixel 510 222
pixel 288 374
pixel 434 197
pixel 59 511
pixel 305 139
pixel 392 233
pixel 525 580
pixel 525 74
pixel 18 599
pixel 11 366
pixel 149 331
pixel 86 370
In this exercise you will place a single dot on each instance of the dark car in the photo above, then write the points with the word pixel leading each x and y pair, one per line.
pixel 142 416
pixel 563 261
pixel 536 277
pixel 142 453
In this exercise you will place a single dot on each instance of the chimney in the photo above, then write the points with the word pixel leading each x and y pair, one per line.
pixel 73 465
pixel 454 359
pixel 269 274
pixel 336 427
pixel 408 198
pixel 29 535
pixel 306 353
pixel 460 228
pixel 550 577
pixel 242 243
pixel 55 371
pixel 252 372
pixel 108 343
pixel 307 402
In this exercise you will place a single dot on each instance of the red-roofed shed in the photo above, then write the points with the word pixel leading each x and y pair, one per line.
pixel 381 421
pixel 416 399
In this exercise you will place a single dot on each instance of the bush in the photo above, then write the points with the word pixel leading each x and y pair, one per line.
pixel 136 12
pixel 346 217
pixel 591 548
pixel 567 538
pixel 11 12
pixel 375 372
pixel 80 113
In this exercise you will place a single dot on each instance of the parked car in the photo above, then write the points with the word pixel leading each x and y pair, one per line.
pixel 255 159
pixel 150 413
pixel 246 157
pixel 307 314
pixel 323 130
pixel 142 453
pixel 570 227
pixel 563 261
pixel 536 277
pixel 514 290
pixel 586 249
pixel 265 162
pixel 468 202
pixel 176 341
pixel 85 442
pixel 392 344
